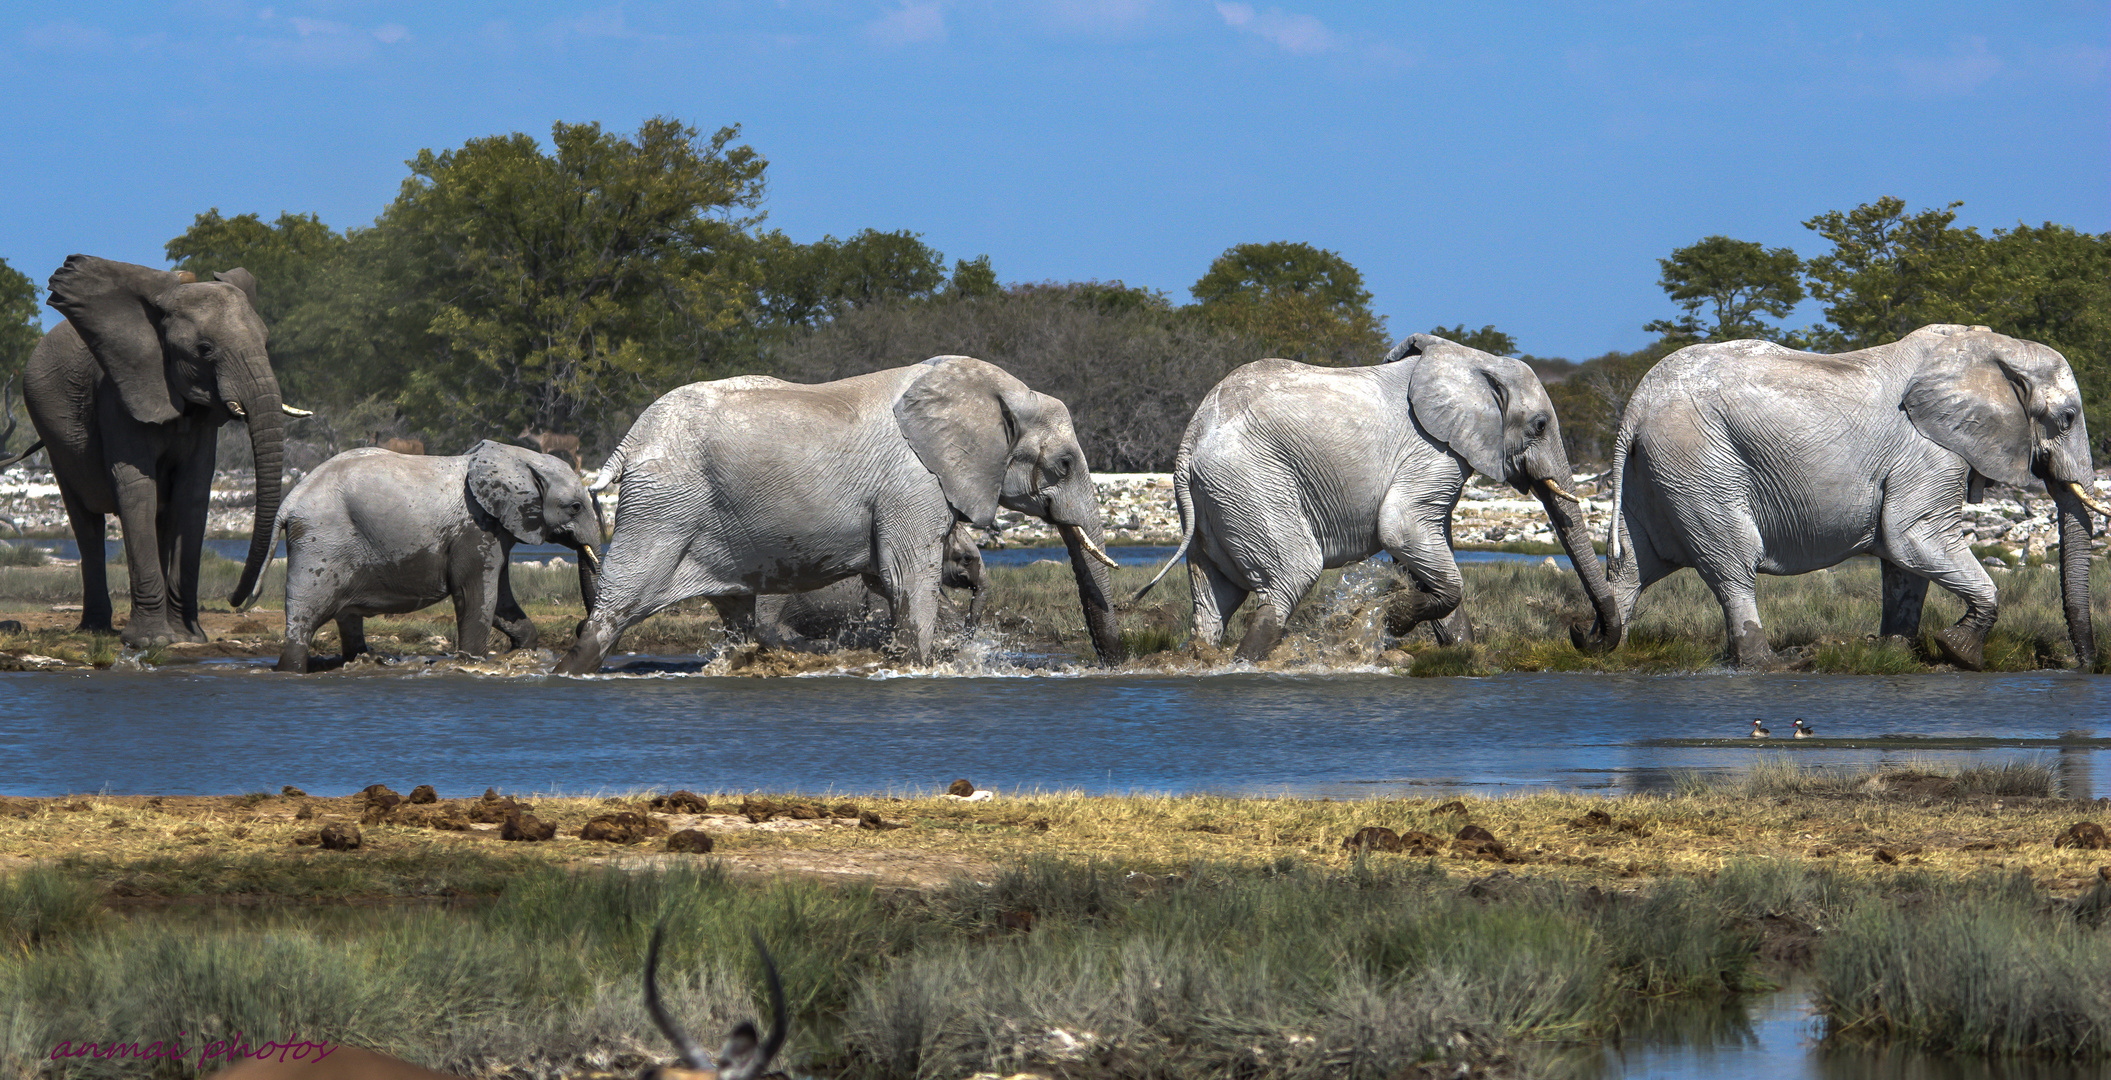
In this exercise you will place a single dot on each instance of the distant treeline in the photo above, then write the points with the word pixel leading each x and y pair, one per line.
pixel 509 287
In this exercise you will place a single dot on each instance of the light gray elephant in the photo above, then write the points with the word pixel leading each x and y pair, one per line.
pixel 374 532
pixel 1287 470
pixel 1742 458
pixel 128 395
pixel 855 612
pixel 756 485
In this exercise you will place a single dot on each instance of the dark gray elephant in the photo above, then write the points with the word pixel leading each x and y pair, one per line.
pixel 128 395
pixel 855 612
pixel 1287 470
pixel 755 485
pixel 374 532
pixel 1742 458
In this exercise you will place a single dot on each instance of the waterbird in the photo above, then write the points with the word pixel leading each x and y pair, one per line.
pixel 1759 730
pixel 1804 732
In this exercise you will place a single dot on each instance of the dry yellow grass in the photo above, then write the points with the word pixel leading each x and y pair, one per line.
pixel 930 840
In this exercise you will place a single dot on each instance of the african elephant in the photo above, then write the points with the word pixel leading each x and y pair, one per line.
pixel 374 532
pixel 756 485
pixel 128 395
pixel 1741 458
pixel 852 610
pixel 1287 470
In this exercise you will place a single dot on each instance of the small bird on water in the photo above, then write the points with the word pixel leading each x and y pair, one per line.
pixel 1804 732
pixel 1759 730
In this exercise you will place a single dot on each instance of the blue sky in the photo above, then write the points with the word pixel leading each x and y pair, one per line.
pixel 1516 164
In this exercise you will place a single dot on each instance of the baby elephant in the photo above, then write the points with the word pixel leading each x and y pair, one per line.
pixel 852 612
pixel 372 532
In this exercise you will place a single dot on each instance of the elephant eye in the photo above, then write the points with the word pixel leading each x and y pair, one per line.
pixel 205 349
pixel 2066 421
pixel 1537 427
pixel 575 507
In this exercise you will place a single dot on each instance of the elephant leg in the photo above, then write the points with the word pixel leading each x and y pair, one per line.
pixel 1415 535
pixel 351 636
pixel 301 620
pixel 912 594
pixel 475 598
pixel 1217 597
pixel 507 614
pixel 1635 571
pixel 1922 549
pixel 773 631
pixel 1276 599
pixel 138 504
pixel 1904 594
pixel 1738 593
pixel 183 539
pixel 736 613
pixel 89 528
pixel 1454 629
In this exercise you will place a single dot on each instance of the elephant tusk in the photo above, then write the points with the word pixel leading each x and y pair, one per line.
pixel 1093 549
pixel 290 410
pixel 235 407
pixel 593 561
pixel 1556 489
pixel 2082 493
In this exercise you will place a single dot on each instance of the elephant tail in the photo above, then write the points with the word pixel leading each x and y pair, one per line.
pixel 247 591
pixel 1621 441
pixel 611 470
pixel 26 451
pixel 1187 524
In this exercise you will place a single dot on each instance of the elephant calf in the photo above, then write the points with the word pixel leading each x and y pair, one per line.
pixel 856 612
pixel 374 532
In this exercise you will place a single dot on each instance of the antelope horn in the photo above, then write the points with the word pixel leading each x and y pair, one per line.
pixel 1556 489
pixel 290 410
pixel 1094 550
pixel 2082 493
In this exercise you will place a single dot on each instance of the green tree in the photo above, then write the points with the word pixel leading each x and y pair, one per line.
pixel 1724 285
pixel 805 284
pixel 1487 339
pixel 553 288
pixel 285 255
pixel 1889 273
pixel 20 325
pixel 974 277
pixel 1297 301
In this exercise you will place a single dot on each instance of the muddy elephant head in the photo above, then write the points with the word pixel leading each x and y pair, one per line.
pixel 537 499
pixel 992 441
pixel 1493 412
pixel 172 344
pixel 2013 411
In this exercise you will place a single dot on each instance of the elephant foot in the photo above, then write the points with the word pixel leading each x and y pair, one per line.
pixel 138 637
pixel 294 660
pixel 1409 608
pixel 1261 637
pixel 521 634
pixel 1962 647
pixel 1454 629
pixel 1749 651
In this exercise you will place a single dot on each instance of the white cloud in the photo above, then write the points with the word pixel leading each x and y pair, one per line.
pixel 909 24
pixel 1968 67
pixel 1298 35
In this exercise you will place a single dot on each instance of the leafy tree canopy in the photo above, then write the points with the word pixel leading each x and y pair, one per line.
pixel 284 255
pixel 1487 339
pixel 21 325
pixel 1300 302
pixel 1724 285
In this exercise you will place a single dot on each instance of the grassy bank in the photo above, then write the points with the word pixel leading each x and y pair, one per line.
pixel 1380 968
pixel 1824 621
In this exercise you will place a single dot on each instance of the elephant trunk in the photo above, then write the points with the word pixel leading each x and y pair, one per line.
pixel 1565 513
pixel 2074 573
pixel 979 596
pixel 1094 586
pixel 257 393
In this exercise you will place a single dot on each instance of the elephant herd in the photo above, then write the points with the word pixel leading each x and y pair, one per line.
pixel 1735 458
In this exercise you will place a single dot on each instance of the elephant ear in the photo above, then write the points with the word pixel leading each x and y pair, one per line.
pixel 1967 400
pixel 962 417
pixel 503 482
pixel 111 305
pixel 1458 402
pixel 240 279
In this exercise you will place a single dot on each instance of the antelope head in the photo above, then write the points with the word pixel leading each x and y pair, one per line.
pixel 745 1055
